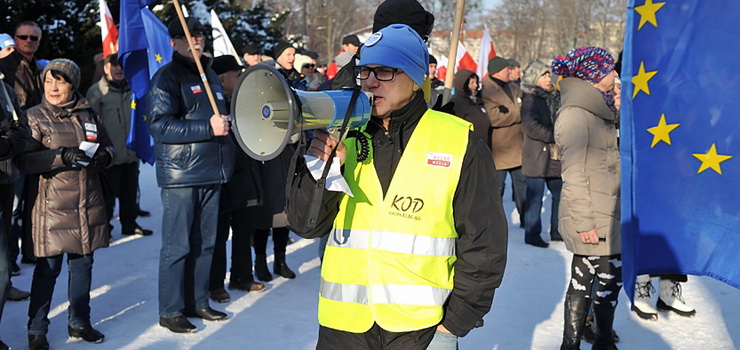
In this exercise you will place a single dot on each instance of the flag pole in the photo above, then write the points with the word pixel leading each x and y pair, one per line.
pixel 452 57
pixel 202 73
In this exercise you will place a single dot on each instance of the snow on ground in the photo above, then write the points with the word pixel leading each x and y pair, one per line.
pixel 527 312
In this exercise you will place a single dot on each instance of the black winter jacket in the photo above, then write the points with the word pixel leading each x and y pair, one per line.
pixel 479 216
pixel 463 106
pixel 16 133
pixel 179 120
pixel 538 127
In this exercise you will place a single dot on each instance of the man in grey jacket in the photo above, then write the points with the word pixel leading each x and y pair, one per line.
pixel 111 97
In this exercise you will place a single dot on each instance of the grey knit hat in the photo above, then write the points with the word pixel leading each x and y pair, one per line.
pixel 65 67
pixel 496 64
pixel 534 71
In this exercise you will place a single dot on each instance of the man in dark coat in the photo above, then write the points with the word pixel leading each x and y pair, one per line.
pixel 239 197
pixel 194 158
pixel 11 134
pixel 539 153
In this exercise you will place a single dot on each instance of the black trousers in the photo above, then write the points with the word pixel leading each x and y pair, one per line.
pixel 7 195
pixel 375 338
pixel 122 181
pixel 242 225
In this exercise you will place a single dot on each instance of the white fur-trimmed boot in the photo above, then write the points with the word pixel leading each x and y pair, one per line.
pixel 642 304
pixel 670 299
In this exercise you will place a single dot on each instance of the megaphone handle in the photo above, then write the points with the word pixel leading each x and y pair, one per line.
pixel 318 193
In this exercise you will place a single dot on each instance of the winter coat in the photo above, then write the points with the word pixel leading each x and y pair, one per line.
pixel 507 135
pixel 113 104
pixel 25 78
pixel 479 217
pixel 68 214
pixel 537 120
pixel 245 187
pixel 464 107
pixel 586 133
pixel 19 131
pixel 179 120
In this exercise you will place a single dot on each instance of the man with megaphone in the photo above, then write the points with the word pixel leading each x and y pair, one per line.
pixel 416 252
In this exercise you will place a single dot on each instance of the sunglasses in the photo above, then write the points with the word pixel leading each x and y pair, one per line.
pixel 309 66
pixel 26 37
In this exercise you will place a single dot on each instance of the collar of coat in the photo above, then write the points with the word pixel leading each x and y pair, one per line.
pixel 575 92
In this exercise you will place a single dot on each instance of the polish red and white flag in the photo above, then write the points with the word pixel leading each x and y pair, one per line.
pixel 464 59
pixel 487 51
pixel 108 30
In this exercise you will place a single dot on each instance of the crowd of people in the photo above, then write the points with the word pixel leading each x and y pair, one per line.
pixel 393 275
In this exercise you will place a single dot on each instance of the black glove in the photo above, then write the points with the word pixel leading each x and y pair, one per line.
pixel 101 159
pixel 75 156
pixel 503 109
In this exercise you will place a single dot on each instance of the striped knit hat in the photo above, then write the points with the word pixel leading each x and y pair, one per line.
pixel 65 67
pixel 591 64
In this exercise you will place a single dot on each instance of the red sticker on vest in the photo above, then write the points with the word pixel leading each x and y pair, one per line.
pixel 440 160
pixel 196 89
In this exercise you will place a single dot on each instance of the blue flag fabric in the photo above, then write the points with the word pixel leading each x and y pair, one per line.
pixel 680 140
pixel 144 48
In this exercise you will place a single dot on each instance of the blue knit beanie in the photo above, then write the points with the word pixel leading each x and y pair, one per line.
pixel 6 40
pixel 397 46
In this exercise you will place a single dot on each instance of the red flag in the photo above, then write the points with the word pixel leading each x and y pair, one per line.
pixel 464 59
pixel 442 68
pixel 108 30
pixel 487 52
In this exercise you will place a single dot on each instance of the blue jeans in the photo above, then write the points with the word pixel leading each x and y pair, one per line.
pixel 443 341
pixel 78 289
pixel 189 222
pixel 519 183
pixel 532 216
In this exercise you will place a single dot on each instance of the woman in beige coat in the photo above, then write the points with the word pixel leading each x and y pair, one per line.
pixel 586 134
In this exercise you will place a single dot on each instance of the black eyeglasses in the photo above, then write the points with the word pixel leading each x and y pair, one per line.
pixel 381 73
pixel 26 37
pixel 308 65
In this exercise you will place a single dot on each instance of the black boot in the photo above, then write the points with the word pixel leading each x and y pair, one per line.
pixel 260 268
pixel 576 310
pixel 603 321
pixel 280 267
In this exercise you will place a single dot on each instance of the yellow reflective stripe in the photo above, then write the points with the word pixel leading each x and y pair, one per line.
pixel 351 293
pixel 393 242
pixel 385 294
pixel 409 295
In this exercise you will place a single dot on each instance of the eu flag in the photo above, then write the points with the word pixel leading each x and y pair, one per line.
pixel 681 140
pixel 144 48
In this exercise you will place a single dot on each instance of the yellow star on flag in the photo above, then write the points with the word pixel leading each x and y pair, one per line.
pixel 711 160
pixel 158 58
pixel 641 80
pixel 662 131
pixel 133 104
pixel 647 13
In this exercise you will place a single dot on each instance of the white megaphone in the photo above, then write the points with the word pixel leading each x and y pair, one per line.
pixel 266 111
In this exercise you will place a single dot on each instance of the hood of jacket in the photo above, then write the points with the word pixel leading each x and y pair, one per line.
pixel 578 93
pixel 461 79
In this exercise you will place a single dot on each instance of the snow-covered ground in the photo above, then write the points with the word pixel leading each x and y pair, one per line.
pixel 527 311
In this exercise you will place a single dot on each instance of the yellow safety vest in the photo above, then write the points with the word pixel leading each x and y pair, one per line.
pixel 391 260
